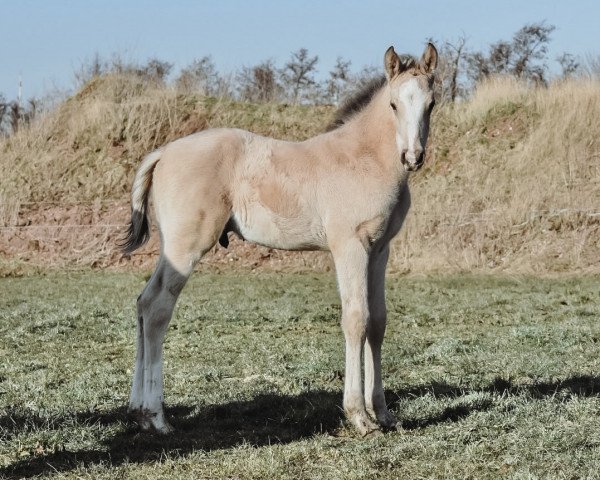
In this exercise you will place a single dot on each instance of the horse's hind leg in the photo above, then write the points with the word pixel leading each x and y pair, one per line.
pixel 137 389
pixel 155 308
pixel 181 249
pixel 145 300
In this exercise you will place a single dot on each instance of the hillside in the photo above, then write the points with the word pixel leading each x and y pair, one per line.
pixel 512 182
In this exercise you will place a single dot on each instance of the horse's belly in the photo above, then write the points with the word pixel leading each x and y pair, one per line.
pixel 263 226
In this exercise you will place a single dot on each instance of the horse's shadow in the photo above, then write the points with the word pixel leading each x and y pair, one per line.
pixel 263 420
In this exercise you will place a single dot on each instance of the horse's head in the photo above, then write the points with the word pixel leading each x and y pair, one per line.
pixel 411 102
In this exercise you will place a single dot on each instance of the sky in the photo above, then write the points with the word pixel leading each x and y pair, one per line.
pixel 45 41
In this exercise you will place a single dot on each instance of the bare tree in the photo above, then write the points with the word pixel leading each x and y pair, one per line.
pixel 18 115
pixel 338 81
pixel 529 44
pixel 14 115
pixel 90 69
pixel 523 56
pixel 365 76
pixel 259 83
pixel 298 74
pixel 265 82
pixel 456 56
pixel 4 106
pixel 118 64
pixel 568 64
pixel 500 57
pixel 32 110
pixel 201 76
pixel 449 71
pixel 156 70
pixel 591 66
pixel 478 67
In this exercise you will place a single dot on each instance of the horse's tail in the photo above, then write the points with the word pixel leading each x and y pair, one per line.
pixel 138 232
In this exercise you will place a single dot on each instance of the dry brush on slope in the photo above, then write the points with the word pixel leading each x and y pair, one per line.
pixel 511 183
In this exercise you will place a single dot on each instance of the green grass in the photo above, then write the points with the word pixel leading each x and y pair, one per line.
pixel 491 377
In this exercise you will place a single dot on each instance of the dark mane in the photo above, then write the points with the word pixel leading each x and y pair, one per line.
pixel 359 100
pixel 356 102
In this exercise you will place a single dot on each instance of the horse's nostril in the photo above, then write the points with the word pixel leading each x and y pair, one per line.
pixel 403 155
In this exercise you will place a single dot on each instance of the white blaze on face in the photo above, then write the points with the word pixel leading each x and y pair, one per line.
pixel 414 101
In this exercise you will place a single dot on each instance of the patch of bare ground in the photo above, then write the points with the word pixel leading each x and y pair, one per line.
pixel 75 236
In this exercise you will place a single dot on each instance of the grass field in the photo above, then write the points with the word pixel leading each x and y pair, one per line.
pixel 491 377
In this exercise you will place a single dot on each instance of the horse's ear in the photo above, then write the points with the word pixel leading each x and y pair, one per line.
pixel 393 64
pixel 430 58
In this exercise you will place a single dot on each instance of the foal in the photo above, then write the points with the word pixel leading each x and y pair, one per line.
pixel 344 191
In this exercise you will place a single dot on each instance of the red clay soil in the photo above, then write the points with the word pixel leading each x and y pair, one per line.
pixel 87 235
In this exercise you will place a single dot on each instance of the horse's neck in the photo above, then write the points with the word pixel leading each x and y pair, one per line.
pixel 374 129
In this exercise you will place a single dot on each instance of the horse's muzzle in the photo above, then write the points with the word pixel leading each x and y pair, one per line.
pixel 413 161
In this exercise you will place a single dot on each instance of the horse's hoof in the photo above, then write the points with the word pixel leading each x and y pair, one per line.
pixel 388 421
pixel 373 434
pixel 136 414
pixel 364 425
pixel 165 429
pixel 152 421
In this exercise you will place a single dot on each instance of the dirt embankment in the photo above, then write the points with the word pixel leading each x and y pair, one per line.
pixel 511 183
pixel 75 236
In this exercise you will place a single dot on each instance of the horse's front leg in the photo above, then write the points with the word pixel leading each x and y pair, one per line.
pixel 351 262
pixel 374 395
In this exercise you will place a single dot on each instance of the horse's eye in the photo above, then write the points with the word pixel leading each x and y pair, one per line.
pixel 393 105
